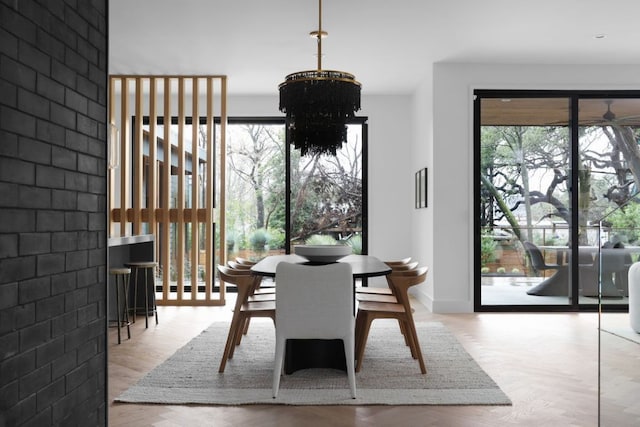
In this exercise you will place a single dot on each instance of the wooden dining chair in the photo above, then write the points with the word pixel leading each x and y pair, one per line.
pixel 403 264
pixel 386 297
pixel 315 302
pixel 260 287
pixel 267 284
pixel 256 294
pixel 243 311
pixel 401 310
pixel 257 291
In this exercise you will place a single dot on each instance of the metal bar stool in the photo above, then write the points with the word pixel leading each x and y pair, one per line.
pixel 148 268
pixel 121 278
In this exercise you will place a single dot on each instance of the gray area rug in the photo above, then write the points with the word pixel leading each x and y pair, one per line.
pixel 389 375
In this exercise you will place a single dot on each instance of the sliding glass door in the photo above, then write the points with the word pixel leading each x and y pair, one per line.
pixel 539 244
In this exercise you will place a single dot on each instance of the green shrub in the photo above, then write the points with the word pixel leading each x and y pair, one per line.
pixel 625 223
pixel 231 240
pixel 487 249
pixel 356 244
pixel 276 239
pixel 259 239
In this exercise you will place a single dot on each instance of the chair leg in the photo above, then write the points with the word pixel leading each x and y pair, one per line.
pixel 361 338
pixel 126 304
pixel 153 292
pixel 246 329
pixel 403 331
pixel 405 328
pixel 364 334
pixel 349 352
pixel 242 320
pixel 230 344
pixel 146 300
pixel 407 337
pixel 277 365
pixel 118 315
pixel 358 334
pixel 134 273
pixel 416 344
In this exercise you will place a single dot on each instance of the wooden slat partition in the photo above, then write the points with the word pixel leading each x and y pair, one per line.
pixel 167 177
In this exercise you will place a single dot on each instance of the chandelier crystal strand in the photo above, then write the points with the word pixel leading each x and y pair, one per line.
pixel 318 104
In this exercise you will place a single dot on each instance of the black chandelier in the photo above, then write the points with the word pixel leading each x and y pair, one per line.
pixel 318 104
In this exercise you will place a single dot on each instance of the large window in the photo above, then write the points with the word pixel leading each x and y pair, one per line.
pixel 277 199
pixel 558 222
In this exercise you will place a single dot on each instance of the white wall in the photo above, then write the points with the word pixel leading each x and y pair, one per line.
pixel 390 180
pixel 422 155
pixel 444 235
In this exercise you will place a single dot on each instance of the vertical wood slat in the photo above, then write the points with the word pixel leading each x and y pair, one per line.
pixel 125 178
pixel 181 201
pixel 209 232
pixel 166 191
pixel 223 169
pixel 195 203
pixel 152 182
pixel 138 161
pixel 110 139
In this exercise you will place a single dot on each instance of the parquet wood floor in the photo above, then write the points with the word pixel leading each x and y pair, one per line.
pixel 546 363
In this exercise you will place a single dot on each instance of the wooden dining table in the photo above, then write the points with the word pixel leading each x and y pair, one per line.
pixel 314 353
pixel 363 266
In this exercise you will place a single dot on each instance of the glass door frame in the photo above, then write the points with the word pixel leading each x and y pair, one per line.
pixel 573 97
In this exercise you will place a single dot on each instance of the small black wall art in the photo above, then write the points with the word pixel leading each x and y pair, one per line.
pixel 421 188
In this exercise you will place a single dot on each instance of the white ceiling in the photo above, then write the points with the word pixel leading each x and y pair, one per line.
pixel 390 46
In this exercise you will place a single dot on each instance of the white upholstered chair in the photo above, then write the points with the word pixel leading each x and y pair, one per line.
pixel 314 302
pixel 634 296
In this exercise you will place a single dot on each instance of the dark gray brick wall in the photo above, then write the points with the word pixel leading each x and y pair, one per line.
pixel 53 86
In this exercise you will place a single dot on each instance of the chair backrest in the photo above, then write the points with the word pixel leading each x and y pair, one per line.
pixel 230 271
pixel 244 282
pixel 314 301
pixel 238 266
pixel 401 281
pixel 535 256
pixel 403 267
pixel 406 260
